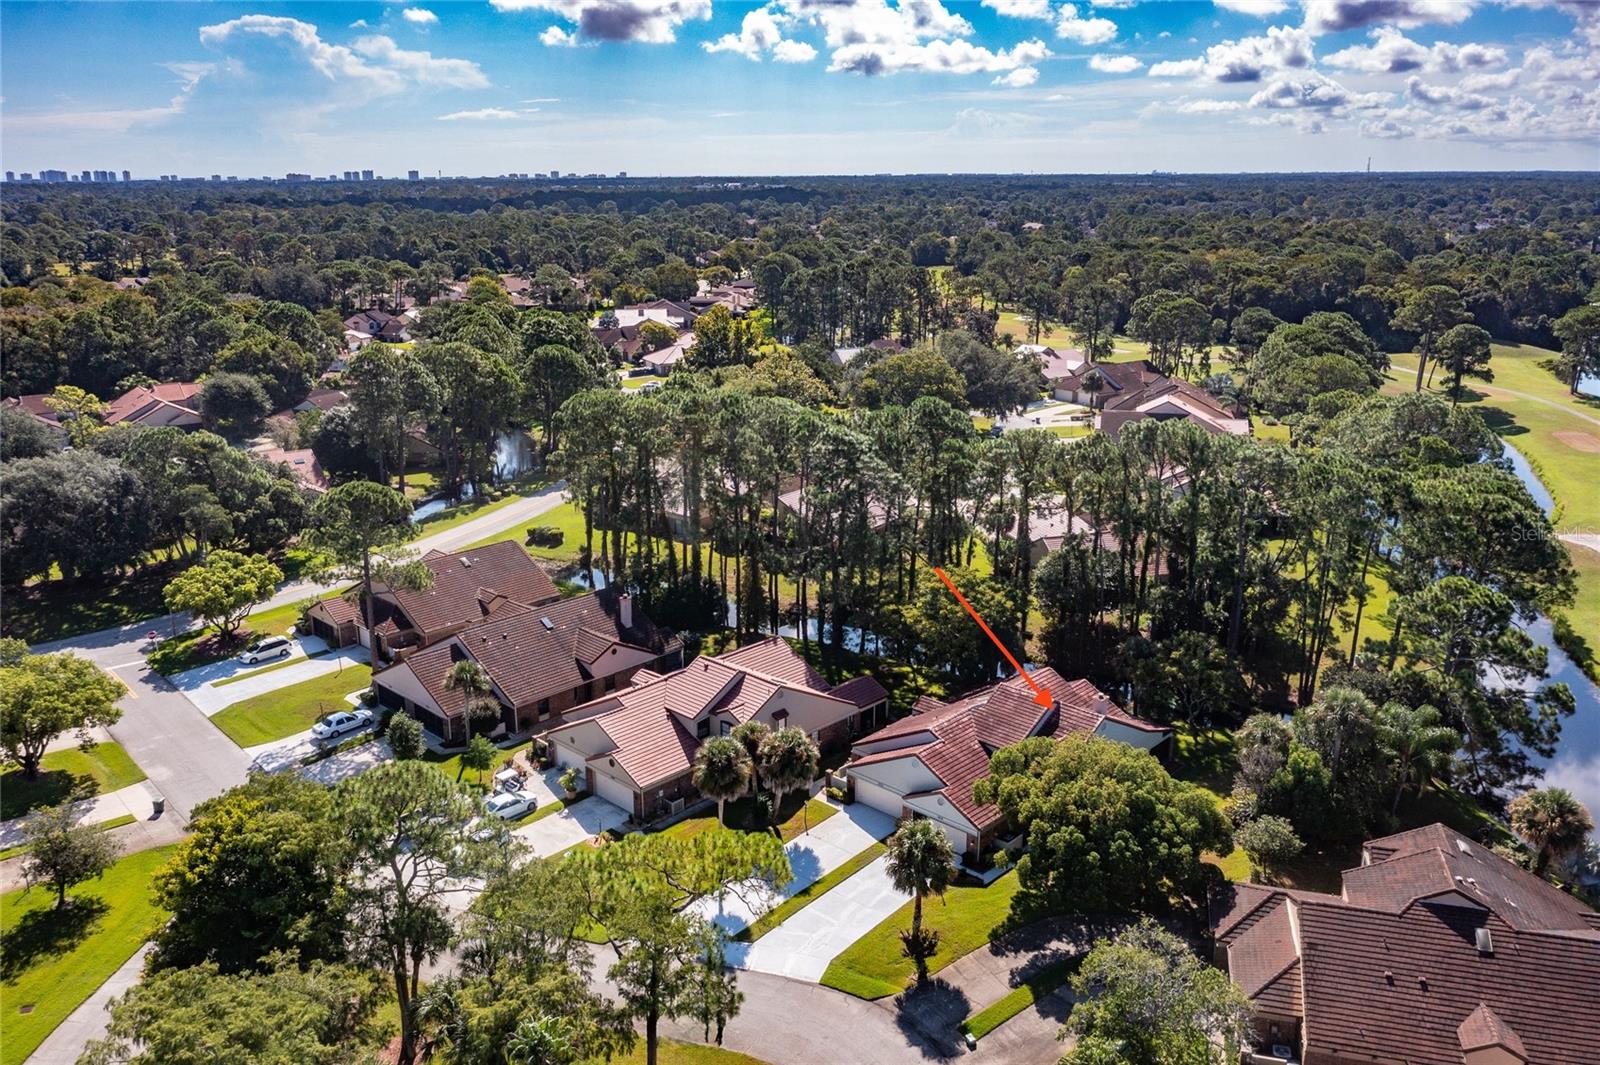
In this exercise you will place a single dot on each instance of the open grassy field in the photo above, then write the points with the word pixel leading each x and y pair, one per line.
pixel 966 919
pixel 286 711
pixel 53 960
pixel 105 768
pixel 1559 433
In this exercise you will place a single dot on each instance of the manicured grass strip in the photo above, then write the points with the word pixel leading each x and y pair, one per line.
pixel 543 812
pixel 672 1052
pixel 105 765
pixel 809 894
pixel 292 660
pixel 286 711
pixel 54 960
pixel 102 826
pixel 966 919
pixel 1019 998
pixel 461 513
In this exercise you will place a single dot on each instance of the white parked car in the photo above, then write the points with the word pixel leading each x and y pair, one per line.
pixel 510 805
pixel 267 647
pixel 651 386
pixel 339 724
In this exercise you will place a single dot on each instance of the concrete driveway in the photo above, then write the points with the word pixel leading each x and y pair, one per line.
pixel 210 697
pixel 812 855
pixel 569 827
pixel 1048 414
pixel 287 753
pixel 802 946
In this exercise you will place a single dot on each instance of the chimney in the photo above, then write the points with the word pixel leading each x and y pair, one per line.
pixel 625 610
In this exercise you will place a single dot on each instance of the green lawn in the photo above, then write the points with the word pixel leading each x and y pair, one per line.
pixel 672 1052
pixel 450 764
pixel 56 609
pixel 966 918
pixel 1582 641
pixel 1020 998
pixel 1262 431
pixel 797 815
pixel 809 894
pixel 105 766
pixel 288 710
pixel 53 961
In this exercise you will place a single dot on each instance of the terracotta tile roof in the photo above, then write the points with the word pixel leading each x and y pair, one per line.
pixel 35 404
pixel 1411 965
pixel 648 720
pixel 1435 860
pixel 462 579
pixel 774 657
pixel 958 737
pixel 303 463
pixel 863 691
pixel 534 654
pixel 137 403
pixel 338 610
pixel 1483 1028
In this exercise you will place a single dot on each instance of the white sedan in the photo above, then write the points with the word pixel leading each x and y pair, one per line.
pixel 341 723
pixel 510 805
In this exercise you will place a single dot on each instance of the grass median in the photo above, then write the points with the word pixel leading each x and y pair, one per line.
pixel 291 709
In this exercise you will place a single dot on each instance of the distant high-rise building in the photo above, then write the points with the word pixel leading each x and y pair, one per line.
pixel 296 178
pixel 27 175
pixel 216 177
pixel 413 175
pixel 366 175
pixel 622 173
pixel 555 173
pixel 10 176
pixel 126 176
pixel 85 176
pixel 52 175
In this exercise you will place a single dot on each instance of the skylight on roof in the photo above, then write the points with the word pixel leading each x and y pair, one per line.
pixel 549 626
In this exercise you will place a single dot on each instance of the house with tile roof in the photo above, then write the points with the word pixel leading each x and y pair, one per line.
pixel 541 660
pixel 635 747
pixel 1171 399
pixel 174 403
pixel 468 587
pixel 303 466
pixel 924 765
pixel 1436 951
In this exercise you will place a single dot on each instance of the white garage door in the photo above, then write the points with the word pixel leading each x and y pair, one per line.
pixel 613 791
pixel 878 797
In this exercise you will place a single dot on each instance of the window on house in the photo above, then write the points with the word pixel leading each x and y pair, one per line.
pixel 611 683
pixel 544 707
pixel 702 728
pixel 727 728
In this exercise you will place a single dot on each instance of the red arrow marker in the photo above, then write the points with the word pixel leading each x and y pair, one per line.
pixel 1040 695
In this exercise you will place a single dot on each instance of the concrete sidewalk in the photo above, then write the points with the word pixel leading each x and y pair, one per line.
pixel 88 1022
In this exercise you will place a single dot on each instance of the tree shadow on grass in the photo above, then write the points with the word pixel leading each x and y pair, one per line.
pixel 19 795
pixel 929 1017
pixel 40 934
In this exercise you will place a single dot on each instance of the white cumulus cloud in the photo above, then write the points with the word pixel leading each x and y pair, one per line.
pixel 1114 64
pixel 1074 27
pixel 421 16
pixel 1020 78
pixel 1392 52
pixel 1246 59
pixel 1335 16
pixel 374 63
pixel 760 34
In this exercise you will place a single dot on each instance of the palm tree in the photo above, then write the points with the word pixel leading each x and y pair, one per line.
pixel 751 734
pixel 1552 820
pixel 1418 743
pixel 722 770
pixel 477 690
pixel 787 760
pixel 921 862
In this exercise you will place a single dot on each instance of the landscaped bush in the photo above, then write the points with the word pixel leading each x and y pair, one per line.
pixel 544 536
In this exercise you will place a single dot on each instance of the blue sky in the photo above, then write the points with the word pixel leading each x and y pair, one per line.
pixel 799 86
